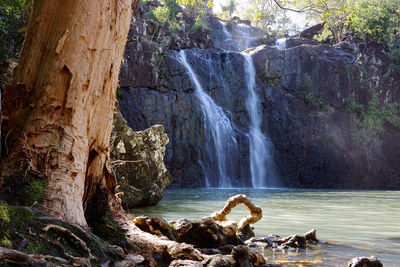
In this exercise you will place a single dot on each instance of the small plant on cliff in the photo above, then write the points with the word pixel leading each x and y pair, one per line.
pixel 168 15
pixel 373 115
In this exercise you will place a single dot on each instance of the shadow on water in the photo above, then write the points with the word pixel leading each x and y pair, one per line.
pixel 352 223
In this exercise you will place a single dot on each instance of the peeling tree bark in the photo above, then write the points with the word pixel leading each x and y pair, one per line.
pixel 58 111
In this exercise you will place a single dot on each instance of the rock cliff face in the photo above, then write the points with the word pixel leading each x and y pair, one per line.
pixel 137 160
pixel 175 105
pixel 330 112
pixel 323 139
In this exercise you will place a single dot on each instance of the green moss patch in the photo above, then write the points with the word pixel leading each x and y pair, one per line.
pixel 12 220
pixel 35 191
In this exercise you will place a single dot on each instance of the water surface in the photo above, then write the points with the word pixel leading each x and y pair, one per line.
pixel 352 223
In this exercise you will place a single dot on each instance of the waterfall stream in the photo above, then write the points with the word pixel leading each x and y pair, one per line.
pixel 223 146
pixel 280 43
pixel 261 164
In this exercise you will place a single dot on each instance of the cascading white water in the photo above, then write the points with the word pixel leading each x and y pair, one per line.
pixel 246 37
pixel 223 146
pixel 261 164
pixel 227 34
pixel 239 39
pixel 280 43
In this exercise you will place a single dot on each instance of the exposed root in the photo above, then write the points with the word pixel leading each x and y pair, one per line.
pixel 255 212
pixel 23 243
pixel 79 242
pixel 21 258
pixel 155 226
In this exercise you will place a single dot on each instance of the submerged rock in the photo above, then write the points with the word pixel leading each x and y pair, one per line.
pixel 289 242
pixel 365 262
pixel 137 160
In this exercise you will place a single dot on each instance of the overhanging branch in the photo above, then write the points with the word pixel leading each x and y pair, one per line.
pixel 279 4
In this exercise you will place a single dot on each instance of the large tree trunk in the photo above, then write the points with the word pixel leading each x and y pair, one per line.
pixel 58 112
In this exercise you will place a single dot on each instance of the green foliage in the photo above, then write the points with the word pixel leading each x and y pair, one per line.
pixel 208 3
pixel 120 95
pixel 229 9
pixel 266 15
pixel 306 93
pixel 14 16
pixel 306 90
pixel 4 214
pixel 35 191
pixel 168 15
pixel 378 20
pixel 373 115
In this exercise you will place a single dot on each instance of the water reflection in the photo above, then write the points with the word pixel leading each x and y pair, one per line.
pixel 353 223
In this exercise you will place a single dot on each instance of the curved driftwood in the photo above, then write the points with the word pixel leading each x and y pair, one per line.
pixel 255 212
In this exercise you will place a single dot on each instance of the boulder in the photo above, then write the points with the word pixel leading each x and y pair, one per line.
pixel 312 31
pixel 365 262
pixel 137 161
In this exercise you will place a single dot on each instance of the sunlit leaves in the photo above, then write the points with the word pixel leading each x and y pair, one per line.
pixel 378 20
pixel 193 2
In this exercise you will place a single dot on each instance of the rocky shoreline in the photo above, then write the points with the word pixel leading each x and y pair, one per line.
pixel 37 239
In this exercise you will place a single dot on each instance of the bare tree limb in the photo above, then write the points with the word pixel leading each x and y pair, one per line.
pixel 279 4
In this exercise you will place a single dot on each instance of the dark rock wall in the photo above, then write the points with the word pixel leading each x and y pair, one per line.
pixel 320 139
pixel 175 105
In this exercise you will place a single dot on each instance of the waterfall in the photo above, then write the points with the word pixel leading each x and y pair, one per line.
pixel 261 164
pixel 223 145
pixel 239 39
pixel 280 43
pixel 227 35
pixel 246 38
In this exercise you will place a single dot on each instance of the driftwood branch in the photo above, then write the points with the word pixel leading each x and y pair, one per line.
pixel 255 211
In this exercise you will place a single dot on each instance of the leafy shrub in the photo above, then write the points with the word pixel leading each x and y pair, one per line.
pixel 14 16
pixel 378 20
